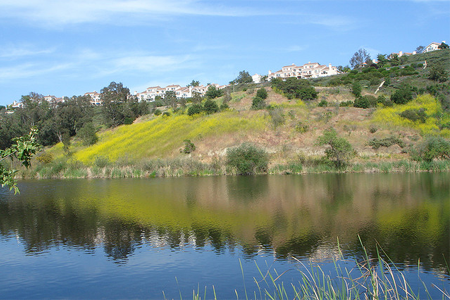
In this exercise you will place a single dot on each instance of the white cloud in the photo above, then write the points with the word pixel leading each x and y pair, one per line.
pixel 57 12
pixel 28 70
pixel 20 51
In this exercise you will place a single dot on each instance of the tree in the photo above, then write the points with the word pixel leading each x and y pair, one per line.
pixel 114 98
pixel 443 46
pixel 196 98
pixel 194 83
pixel 262 93
pixel 339 150
pixel 258 103
pixel 213 92
pixel 194 109
pixel 419 49
pixel 360 58
pixel 295 88
pixel 402 95
pixel 382 60
pixel 244 77
pixel 432 148
pixel 22 149
pixel 170 98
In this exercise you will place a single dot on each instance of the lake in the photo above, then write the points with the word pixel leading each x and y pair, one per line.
pixel 167 237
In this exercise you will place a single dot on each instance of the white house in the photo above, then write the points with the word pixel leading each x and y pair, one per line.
pixel 309 70
pixel 432 47
pixel 95 98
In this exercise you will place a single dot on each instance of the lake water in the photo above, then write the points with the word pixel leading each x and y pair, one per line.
pixel 162 237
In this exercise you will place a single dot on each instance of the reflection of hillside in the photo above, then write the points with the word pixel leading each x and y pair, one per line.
pixel 291 215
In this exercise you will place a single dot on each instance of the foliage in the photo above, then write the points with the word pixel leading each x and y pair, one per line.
pixel 210 107
pixel 339 150
pixel 194 109
pixel 22 149
pixel 390 116
pixel 247 159
pixel 365 101
pixel 114 106
pixel 213 92
pixel 189 147
pixel 277 116
pixel 414 115
pixel 258 103
pixel 262 93
pixel 402 95
pixel 360 58
pixel 438 73
pixel 432 148
pixel 45 158
pixel 88 134
pixel 323 103
pixel 386 142
pixel 356 89
pixel 295 88
pixel 443 46
pixel 243 78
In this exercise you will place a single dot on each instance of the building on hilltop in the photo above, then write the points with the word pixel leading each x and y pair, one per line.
pixel 95 98
pixel 432 47
pixel 151 93
pixel 309 70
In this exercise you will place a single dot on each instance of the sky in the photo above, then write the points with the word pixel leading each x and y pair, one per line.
pixel 67 48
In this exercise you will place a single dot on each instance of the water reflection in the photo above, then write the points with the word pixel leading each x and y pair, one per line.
pixel 407 215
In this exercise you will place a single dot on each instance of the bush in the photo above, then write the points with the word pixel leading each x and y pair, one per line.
pixel 258 103
pixel 157 112
pixel 166 114
pixel 247 159
pixel 189 147
pixel 402 96
pixel 277 116
pixel 45 158
pixel 101 161
pixel 261 93
pixel 415 115
pixel 361 102
pixel 386 142
pixel 339 150
pixel 194 109
pixel 323 103
pixel 87 134
pixel 210 107
pixel 432 148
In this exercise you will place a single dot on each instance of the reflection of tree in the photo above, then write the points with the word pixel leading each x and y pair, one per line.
pixel 247 189
pixel 121 239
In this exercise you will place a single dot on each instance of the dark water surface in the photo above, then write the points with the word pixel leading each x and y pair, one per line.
pixel 138 238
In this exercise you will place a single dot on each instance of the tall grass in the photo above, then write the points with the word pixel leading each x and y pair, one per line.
pixel 369 278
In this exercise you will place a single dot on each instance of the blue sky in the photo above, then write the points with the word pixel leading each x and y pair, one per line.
pixel 67 48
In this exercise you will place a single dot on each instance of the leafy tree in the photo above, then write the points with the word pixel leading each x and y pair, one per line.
pixel 244 77
pixel 382 60
pixel 114 98
pixel 189 147
pixel 360 58
pixel 196 98
pixel 22 149
pixel 295 88
pixel 210 107
pixel 247 159
pixel 213 92
pixel 419 49
pixel 170 98
pixel 194 83
pixel 87 134
pixel 443 46
pixel 339 150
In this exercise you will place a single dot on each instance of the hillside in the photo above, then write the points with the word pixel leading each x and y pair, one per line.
pixel 287 130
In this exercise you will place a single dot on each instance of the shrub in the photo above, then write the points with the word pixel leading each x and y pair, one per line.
pixel 432 148
pixel 101 161
pixel 157 112
pixel 210 107
pixel 361 102
pixel 87 134
pixel 386 142
pixel 277 116
pixel 188 147
pixel 323 103
pixel 258 103
pixel 302 128
pixel 194 109
pixel 414 115
pixel 346 103
pixel 45 158
pixel 247 159
pixel 339 150
pixel 402 96
pixel 356 89
pixel 166 114
pixel 261 93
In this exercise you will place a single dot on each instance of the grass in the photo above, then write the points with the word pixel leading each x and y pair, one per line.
pixel 367 278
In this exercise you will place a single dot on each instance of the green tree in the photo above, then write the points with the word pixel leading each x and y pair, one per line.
pixel 262 93
pixel 196 98
pixel 194 109
pixel 22 149
pixel 194 83
pixel 170 98
pixel 360 58
pixel 402 95
pixel 258 103
pixel 339 150
pixel 114 98
pixel 247 159
pixel 213 92
pixel 356 89
pixel 87 134
pixel 443 46
pixel 244 77
pixel 419 49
